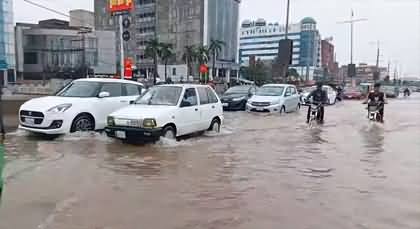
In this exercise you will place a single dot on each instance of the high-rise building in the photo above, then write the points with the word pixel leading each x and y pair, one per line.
pixel 328 62
pixel 7 43
pixel 180 23
pixel 261 39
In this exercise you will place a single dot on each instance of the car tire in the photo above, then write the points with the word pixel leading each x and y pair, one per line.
pixel 169 132
pixel 215 125
pixel 283 110
pixel 83 122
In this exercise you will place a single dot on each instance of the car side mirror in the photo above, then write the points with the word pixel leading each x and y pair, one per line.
pixel 287 94
pixel 185 103
pixel 104 94
pixel 132 102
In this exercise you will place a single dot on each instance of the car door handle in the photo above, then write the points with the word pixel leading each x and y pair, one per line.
pixel 213 107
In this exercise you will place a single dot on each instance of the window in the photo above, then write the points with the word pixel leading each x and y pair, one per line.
pixel 174 71
pixel 289 91
pixel 212 97
pixel 204 98
pixel 293 91
pixel 114 89
pixel 190 98
pixel 30 58
pixel 131 90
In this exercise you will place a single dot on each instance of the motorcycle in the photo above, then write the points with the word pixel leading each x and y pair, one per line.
pixel 406 93
pixel 315 114
pixel 373 112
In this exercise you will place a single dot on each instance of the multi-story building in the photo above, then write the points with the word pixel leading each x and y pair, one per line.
pixel 54 49
pixel 328 62
pixel 180 23
pixel 82 18
pixel 261 39
pixel 7 43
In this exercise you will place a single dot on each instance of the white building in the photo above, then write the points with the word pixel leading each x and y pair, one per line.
pixel 261 39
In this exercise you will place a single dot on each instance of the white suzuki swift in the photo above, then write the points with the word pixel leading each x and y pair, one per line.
pixel 169 111
pixel 82 105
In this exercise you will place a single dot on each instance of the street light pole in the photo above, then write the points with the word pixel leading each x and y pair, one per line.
pixel 286 35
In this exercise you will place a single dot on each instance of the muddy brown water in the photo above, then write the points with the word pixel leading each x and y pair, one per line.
pixel 262 171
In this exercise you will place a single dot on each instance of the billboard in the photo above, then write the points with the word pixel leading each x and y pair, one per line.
pixel 116 6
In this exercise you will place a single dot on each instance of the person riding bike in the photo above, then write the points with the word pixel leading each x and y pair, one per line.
pixel 406 92
pixel 376 97
pixel 319 97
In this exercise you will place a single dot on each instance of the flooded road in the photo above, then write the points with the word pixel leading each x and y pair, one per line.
pixel 263 171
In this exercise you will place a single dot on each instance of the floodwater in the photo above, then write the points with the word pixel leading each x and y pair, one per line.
pixel 263 171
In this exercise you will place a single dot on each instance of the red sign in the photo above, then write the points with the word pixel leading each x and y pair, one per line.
pixel 120 5
pixel 128 68
pixel 204 69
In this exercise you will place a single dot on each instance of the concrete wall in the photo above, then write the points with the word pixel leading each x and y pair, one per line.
pixel 82 18
pixel 180 72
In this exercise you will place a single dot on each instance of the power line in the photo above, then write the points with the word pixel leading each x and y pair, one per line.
pixel 57 12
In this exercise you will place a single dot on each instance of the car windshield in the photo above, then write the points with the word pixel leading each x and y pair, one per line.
pixel 80 89
pixel 270 91
pixel 237 90
pixel 161 95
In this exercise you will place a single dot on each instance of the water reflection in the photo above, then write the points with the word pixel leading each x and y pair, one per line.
pixel 373 139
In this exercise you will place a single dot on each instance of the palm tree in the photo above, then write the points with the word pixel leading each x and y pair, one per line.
pixel 189 56
pixel 166 53
pixel 153 48
pixel 203 56
pixel 214 49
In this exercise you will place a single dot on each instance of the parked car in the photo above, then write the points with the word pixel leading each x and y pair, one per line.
pixel 332 94
pixel 169 111
pixel 235 98
pixel 391 91
pixel 275 98
pixel 352 93
pixel 82 105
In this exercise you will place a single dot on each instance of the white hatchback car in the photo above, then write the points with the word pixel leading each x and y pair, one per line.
pixel 82 105
pixel 169 111
pixel 275 98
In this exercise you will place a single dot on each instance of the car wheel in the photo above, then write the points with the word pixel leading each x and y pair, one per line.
pixel 83 122
pixel 215 125
pixel 169 132
pixel 283 110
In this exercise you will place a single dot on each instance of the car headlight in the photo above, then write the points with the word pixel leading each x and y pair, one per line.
pixel 60 108
pixel 110 121
pixel 239 98
pixel 149 123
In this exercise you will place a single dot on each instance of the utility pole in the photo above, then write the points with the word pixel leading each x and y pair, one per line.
pixel 352 21
pixel 286 35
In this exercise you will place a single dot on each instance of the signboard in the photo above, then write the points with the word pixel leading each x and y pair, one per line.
pixel 117 6
pixel 128 68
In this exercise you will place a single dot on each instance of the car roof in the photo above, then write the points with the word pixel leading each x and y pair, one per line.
pixel 182 85
pixel 108 80
pixel 278 85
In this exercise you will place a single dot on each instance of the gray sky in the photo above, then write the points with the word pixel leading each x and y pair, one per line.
pixel 396 23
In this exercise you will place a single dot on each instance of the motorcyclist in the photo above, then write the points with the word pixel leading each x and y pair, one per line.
pixel 319 97
pixel 376 96
pixel 406 92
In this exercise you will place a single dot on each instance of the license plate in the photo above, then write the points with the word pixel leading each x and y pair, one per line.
pixel 30 121
pixel 225 104
pixel 120 134
pixel 260 109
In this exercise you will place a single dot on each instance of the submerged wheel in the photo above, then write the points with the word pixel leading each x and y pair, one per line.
pixel 169 132
pixel 215 125
pixel 83 122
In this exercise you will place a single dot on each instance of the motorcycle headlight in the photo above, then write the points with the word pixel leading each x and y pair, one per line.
pixel 149 123
pixel 60 108
pixel 239 98
pixel 110 121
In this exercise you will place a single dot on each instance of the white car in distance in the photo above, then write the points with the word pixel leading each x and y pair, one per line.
pixel 167 111
pixel 82 105
pixel 331 93
pixel 273 98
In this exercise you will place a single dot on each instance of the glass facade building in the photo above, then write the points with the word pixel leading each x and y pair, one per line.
pixel 7 41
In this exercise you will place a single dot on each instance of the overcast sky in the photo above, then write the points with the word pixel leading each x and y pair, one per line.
pixel 396 23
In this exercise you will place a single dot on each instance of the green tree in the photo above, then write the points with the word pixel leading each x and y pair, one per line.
pixel 257 73
pixel 166 53
pixel 189 57
pixel 215 49
pixel 153 48
pixel 203 57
